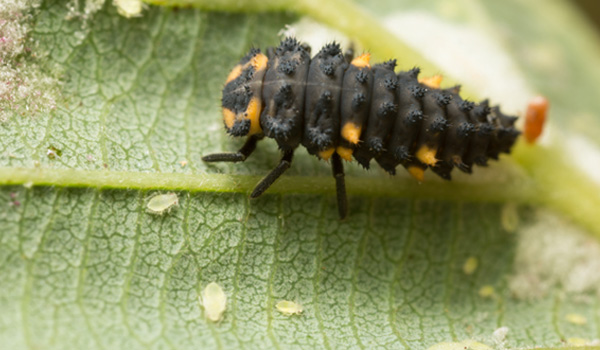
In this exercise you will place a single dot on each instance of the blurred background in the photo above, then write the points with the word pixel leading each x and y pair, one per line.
pixel 591 8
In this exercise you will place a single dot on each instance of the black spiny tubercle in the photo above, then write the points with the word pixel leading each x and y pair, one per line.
pixel 340 107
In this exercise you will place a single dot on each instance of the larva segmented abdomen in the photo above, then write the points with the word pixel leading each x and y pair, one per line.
pixel 332 105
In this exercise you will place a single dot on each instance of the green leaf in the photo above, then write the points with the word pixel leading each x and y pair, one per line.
pixel 84 264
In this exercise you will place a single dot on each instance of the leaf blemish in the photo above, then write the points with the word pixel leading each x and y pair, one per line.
pixel 551 252
pixel 26 90
pixel 13 200
pixel 53 152
pixel 500 334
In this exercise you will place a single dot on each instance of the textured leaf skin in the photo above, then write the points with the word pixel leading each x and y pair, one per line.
pixel 91 269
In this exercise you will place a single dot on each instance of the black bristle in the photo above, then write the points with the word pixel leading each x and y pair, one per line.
pixel 361 76
pixel 390 83
pixel 390 64
pixel 414 72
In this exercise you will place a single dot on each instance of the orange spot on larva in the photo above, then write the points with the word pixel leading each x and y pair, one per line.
pixel 362 60
pixel 427 155
pixel 345 153
pixel 235 72
pixel 259 61
pixel 351 132
pixel 326 154
pixel 535 118
pixel 433 82
pixel 253 113
pixel 417 172
pixel 228 117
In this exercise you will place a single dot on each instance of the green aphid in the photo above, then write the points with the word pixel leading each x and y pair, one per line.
pixel 162 203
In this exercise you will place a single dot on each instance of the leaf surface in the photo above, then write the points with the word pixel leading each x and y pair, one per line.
pixel 85 265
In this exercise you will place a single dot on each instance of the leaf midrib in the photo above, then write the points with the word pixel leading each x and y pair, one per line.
pixel 521 191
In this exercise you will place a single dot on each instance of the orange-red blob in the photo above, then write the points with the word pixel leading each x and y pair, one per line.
pixel 535 118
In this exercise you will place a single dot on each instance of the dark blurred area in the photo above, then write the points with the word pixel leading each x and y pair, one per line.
pixel 591 8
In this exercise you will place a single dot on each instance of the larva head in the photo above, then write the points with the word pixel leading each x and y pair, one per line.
pixel 242 100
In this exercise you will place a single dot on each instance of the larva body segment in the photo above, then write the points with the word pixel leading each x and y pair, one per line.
pixel 340 108
pixel 356 88
pixel 322 107
pixel 283 92
pixel 382 112
pixel 242 96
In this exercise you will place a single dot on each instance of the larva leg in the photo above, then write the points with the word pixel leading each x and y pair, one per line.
pixel 238 156
pixel 340 184
pixel 267 181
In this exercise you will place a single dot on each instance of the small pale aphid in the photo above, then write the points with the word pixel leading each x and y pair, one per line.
pixel 577 341
pixel 510 217
pixel 470 265
pixel 468 344
pixel 129 8
pixel 487 291
pixel 289 307
pixel 162 202
pixel 576 319
pixel 214 301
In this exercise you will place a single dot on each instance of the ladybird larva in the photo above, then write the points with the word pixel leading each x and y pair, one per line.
pixel 340 107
